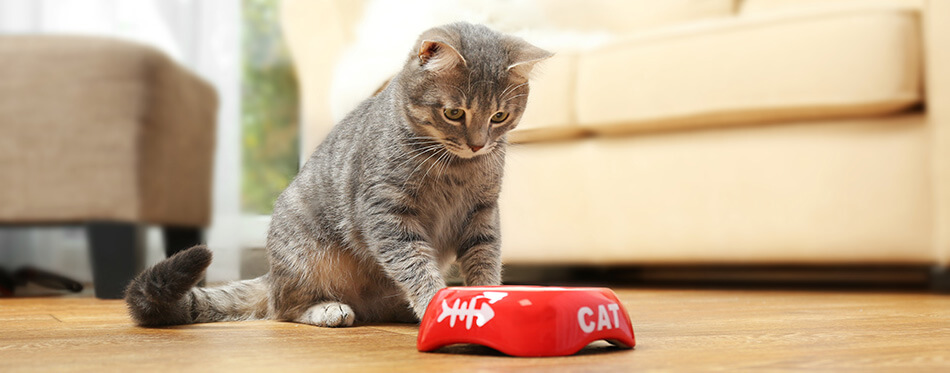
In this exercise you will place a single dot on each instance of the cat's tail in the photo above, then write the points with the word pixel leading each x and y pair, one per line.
pixel 165 294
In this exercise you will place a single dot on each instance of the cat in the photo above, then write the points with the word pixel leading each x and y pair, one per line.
pixel 402 187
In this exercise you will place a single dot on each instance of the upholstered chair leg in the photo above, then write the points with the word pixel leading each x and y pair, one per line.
pixel 940 279
pixel 180 238
pixel 117 250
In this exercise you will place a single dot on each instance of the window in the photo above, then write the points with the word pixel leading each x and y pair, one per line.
pixel 269 109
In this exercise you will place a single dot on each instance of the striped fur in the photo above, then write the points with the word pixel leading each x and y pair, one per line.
pixel 395 193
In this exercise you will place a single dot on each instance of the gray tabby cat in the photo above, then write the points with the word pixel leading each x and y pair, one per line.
pixel 403 186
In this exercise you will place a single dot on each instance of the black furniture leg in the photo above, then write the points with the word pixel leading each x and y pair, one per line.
pixel 180 238
pixel 940 279
pixel 117 250
pixel 7 284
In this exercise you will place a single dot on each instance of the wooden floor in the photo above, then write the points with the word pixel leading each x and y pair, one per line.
pixel 675 330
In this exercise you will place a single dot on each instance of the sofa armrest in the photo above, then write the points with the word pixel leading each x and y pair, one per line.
pixel 316 32
pixel 937 34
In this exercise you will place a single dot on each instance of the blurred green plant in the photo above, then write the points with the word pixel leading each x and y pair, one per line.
pixel 269 109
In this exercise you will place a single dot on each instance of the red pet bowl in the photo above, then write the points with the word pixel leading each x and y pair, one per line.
pixel 525 320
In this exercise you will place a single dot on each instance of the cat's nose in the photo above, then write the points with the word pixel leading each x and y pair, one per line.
pixel 475 148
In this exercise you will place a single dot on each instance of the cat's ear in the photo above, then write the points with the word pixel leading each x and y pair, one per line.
pixel 438 56
pixel 524 56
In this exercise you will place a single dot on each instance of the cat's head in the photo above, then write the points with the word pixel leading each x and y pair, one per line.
pixel 465 86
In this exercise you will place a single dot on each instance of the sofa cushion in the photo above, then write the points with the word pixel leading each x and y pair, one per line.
pixel 768 6
pixel 550 111
pixel 550 114
pixel 822 63
pixel 631 16
pixel 855 191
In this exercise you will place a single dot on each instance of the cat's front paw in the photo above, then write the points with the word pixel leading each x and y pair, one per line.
pixel 420 304
pixel 328 314
pixel 420 310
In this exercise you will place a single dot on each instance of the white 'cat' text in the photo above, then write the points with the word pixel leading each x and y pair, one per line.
pixel 586 322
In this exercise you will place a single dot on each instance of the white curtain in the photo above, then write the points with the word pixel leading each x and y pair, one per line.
pixel 203 35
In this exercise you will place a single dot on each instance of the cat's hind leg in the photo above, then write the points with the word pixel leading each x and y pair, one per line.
pixel 328 314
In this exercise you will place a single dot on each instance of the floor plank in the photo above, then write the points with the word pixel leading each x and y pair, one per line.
pixel 675 329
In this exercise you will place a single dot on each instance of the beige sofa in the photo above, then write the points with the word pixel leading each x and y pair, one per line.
pixel 714 132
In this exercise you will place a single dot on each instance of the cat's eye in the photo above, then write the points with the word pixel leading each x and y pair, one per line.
pixel 454 114
pixel 499 117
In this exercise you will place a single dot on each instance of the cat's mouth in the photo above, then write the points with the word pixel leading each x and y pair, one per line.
pixel 466 151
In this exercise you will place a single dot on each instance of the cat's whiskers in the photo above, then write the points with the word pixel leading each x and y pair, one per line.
pixel 437 161
pixel 496 154
pixel 412 154
pixel 499 159
pixel 513 97
pixel 415 154
pixel 422 148
pixel 418 152
pixel 421 138
pixel 415 145
pixel 448 162
pixel 422 144
pixel 418 143
pixel 506 89
pixel 507 92
pixel 496 162
pixel 434 153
